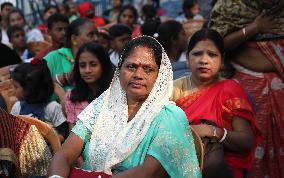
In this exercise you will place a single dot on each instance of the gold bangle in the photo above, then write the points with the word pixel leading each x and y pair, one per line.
pixel 244 32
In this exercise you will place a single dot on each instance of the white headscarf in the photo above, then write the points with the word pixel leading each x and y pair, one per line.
pixel 114 138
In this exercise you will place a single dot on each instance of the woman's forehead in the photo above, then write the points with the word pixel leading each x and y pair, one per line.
pixel 141 54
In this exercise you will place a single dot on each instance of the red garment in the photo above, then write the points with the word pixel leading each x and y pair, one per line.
pixel 268 92
pixel 43 53
pixel 84 8
pixel 219 103
pixel 13 131
pixel 42 28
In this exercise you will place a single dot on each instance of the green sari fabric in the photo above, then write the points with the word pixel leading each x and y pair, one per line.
pixel 168 140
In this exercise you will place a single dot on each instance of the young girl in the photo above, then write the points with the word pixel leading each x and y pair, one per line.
pixel 92 75
pixel 33 87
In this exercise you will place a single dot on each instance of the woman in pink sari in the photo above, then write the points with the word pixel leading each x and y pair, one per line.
pixel 203 95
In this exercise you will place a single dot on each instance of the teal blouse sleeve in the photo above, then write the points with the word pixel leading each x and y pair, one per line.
pixel 173 145
pixel 82 131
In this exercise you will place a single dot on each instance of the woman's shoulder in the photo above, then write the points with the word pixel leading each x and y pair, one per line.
pixel 180 87
pixel 230 85
pixel 181 82
pixel 174 115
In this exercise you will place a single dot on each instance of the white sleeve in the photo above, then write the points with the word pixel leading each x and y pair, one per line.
pixel 16 108
pixel 34 35
pixel 54 114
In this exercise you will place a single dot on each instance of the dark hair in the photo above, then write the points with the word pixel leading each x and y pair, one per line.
pixel 6 4
pixel 16 11
pixel 56 18
pixel 149 10
pixel 74 29
pixel 167 32
pixel 82 91
pixel 13 29
pixel 144 41
pixel 51 7
pixel 204 34
pixel 118 30
pixel 187 4
pixel 128 7
pixel 150 26
pixel 35 79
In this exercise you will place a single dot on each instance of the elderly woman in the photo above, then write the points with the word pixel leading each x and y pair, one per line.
pixel 132 126
pixel 203 96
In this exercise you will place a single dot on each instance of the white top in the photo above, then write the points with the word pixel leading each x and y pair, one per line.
pixel 181 18
pixel 114 58
pixel 52 113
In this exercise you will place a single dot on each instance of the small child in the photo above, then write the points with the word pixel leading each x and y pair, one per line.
pixel 33 88
pixel 120 34
pixel 17 38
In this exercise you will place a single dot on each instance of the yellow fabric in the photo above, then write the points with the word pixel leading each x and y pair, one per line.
pixel 181 88
pixel 34 155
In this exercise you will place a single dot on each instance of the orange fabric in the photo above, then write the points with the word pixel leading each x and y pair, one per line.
pixel 219 103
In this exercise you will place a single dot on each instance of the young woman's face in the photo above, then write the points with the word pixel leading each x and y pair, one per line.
pixel 127 17
pixel 195 10
pixel 88 33
pixel 138 73
pixel 19 91
pixel 90 68
pixel 205 60
pixel 16 19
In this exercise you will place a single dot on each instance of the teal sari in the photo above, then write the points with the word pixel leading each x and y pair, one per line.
pixel 168 140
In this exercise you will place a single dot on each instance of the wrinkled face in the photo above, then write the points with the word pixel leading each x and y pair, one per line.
pixel 18 39
pixel 88 33
pixel 118 42
pixel 19 91
pixel 16 19
pixel 127 17
pixel 49 13
pixel 138 73
pixel 181 41
pixel 205 60
pixel 6 10
pixel 90 68
pixel 58 32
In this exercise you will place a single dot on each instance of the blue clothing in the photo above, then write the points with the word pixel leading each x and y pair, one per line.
pixel 168 140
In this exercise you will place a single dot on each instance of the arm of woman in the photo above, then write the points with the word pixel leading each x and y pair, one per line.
pixel 239 140
pixel 263 23
pixel 66 156
pixel 151 168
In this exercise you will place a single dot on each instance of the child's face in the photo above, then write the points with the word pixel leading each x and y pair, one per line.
pixel 16 19
pixel 19 91
pixel 18 39
pixel 58 32
pixel 90 68
pixel 118 43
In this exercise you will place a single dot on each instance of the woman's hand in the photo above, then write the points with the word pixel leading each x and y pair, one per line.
pixel 264 23
pixel 203 130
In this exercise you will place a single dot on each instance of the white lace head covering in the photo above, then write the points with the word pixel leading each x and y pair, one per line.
pixel 113 137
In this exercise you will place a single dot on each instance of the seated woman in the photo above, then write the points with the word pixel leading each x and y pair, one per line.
pixel 132 128
pixel 92 76
pixel 204 96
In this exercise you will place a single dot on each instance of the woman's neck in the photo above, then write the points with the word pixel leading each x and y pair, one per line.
pixel 196 83
pixel 133 107
pixel 94 88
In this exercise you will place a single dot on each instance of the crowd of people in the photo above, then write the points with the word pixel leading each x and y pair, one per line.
pixel 139 90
